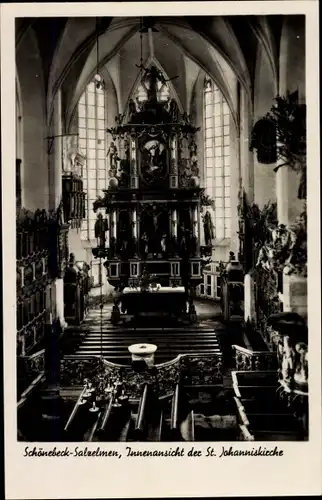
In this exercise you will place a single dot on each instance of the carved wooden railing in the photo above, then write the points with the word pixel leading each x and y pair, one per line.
pixel 73 199
pixel 268 286
pixel 248 360
pixel 189 370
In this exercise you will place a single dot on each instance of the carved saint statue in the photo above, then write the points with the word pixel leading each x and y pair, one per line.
pixel 164 244
pixel 208 228
pixel 113 157
pixel 152 77
pixel 100 229
pixel 144 245
pixel 174 110
pixel 132 108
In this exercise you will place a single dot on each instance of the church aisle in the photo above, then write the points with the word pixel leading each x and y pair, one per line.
pixel 112 341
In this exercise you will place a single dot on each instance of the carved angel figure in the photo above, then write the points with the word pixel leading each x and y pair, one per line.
pixel 113 156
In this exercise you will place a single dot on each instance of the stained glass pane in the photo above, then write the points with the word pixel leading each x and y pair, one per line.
pixel 81 123
pixel 90 99
pixel 91 112
pixel 225 108
pixel 91 170
pixel 208 122
pixel 208 111
pixel 101 163
pixel 92 184
pixel 218 141
pixel 91 123
pixel 91 133
pixel 81 111
pixel 219 182
pixel 101 134
pixel 210 162
pixel 100 113
pixel 100 144
pixel 209 142
pixel 81 140
pixel 218 152
pixel 217 110
pixel 100 100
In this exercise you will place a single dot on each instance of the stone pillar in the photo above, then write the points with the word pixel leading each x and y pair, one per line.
pixel 247 183
pixel 56 192
pixel 246 156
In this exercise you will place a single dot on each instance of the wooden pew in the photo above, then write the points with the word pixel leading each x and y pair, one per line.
pixel 181 424
pixel 140 419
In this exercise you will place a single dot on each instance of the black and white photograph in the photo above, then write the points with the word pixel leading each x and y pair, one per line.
pixel 161 231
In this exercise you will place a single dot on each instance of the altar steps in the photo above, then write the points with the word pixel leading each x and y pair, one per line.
pixel 113 343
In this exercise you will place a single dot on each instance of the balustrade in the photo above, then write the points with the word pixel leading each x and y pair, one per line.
pixel 248 360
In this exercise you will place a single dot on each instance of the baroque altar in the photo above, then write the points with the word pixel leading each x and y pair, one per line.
pixel 152 201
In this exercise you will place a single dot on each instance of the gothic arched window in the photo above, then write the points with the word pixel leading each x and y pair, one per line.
pixel 92 143
pixel 217 157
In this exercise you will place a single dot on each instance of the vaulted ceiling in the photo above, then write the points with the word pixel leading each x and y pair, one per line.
pixel 224 47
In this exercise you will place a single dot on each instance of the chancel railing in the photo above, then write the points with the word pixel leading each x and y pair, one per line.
pixel 268 286
pixel 190 370
pixel 249 360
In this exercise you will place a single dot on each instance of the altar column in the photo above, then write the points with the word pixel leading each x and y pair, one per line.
pixel 114 224
pixel 195 230
pixel 174 223
pixel 174 162
pixel 134 168
pixel 135 230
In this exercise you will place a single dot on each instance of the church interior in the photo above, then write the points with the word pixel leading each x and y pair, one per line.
pixel 161 230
